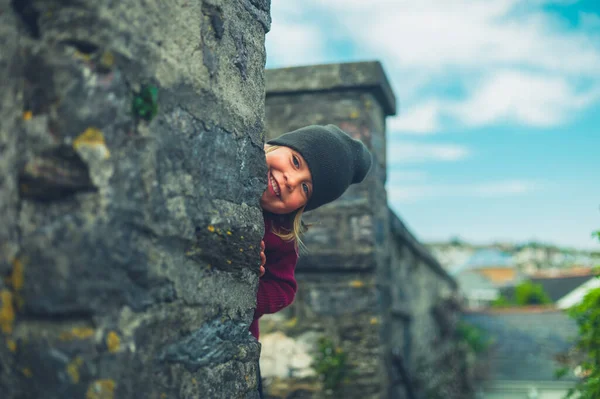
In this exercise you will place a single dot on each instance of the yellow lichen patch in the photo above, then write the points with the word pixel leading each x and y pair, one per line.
pixel 211 229
pixel 194 381
pixel 291 322
pixel 76 333
pixel 374 320
pixel 27 372
pixel 229 233
pixel 11 345
pixel 354 114
pixel 113 342
pixel 16 277
pixel 83 56
pixel 101 389
pixel 357 284
pixel 7 312
pixel 73 369
pixel 241 249
pixel 27 115
pixel 228 261
pixel 107 60
pixel 92 137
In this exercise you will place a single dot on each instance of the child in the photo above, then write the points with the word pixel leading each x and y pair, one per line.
pixel 307 168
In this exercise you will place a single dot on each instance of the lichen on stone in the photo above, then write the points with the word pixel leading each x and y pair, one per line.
pixel 92 138
pixel 76 333
pixel 113 342
pixel 73 369
pixel 7 312
pixel 101 389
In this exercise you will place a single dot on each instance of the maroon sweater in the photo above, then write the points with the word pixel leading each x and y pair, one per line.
pixel 277 287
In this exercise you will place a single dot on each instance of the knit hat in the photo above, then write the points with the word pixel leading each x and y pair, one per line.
pixel 335 160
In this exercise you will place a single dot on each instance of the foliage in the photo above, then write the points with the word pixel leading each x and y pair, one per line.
pixel 473 336
pixel 145 103
pixel 587 316
pixel 331 365
pixel 501 301
pixel 528 293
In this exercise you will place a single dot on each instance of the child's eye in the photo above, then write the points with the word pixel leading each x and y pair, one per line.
pixel 305 188
pixel 296 161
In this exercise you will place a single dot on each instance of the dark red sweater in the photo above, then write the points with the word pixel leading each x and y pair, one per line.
pixel 277 287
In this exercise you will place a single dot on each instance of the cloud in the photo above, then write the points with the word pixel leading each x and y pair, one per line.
pixel 509 60
pixel 436 35
pixel 421 119
pixel 398 193
pixel 401 152
pixel 292 39
pixel 508 95
pixel 521 97
pixel 504 188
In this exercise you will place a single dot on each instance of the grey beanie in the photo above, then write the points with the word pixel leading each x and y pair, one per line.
pixel 335 160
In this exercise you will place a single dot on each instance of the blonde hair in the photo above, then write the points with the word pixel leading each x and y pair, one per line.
pixel 297 226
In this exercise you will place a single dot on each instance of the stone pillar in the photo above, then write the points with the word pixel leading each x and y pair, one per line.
pixel 339 278
pixel 131 165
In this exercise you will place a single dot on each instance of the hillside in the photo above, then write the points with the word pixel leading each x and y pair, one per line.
pixel 528 257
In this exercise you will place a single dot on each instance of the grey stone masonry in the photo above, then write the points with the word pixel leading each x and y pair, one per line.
pixel 131 164
pixel 365 283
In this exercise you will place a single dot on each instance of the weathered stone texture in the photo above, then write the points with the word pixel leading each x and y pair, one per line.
pixel 129 244
pixel 365 282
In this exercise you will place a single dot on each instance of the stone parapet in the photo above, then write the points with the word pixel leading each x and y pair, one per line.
pixel 352 76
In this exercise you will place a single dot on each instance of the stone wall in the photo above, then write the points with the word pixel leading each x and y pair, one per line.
pixel 427 361
pixel 131 165
pixel 365 283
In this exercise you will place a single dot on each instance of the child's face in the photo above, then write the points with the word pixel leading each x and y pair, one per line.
pixel 289 181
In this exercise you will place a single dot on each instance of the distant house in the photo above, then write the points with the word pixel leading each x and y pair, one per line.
pixel 498 266
pixel 476 289
pixel 526 343
pixel 483 275
pixel 576 296
pixel 565 288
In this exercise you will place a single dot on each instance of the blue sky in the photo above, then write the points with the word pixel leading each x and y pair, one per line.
pixel 497 137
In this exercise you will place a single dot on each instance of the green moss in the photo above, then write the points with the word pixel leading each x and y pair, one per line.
pixel 145 103
pixel 331 365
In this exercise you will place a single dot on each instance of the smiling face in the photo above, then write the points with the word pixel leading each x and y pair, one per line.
pixel 289 181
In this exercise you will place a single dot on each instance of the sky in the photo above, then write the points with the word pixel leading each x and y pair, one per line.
pixel 497 136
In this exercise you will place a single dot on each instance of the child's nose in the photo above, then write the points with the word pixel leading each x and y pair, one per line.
pixel 291 181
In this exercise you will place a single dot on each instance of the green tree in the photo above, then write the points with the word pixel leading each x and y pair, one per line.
pixel 501 302
pixel 528 293
pixel 587 316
